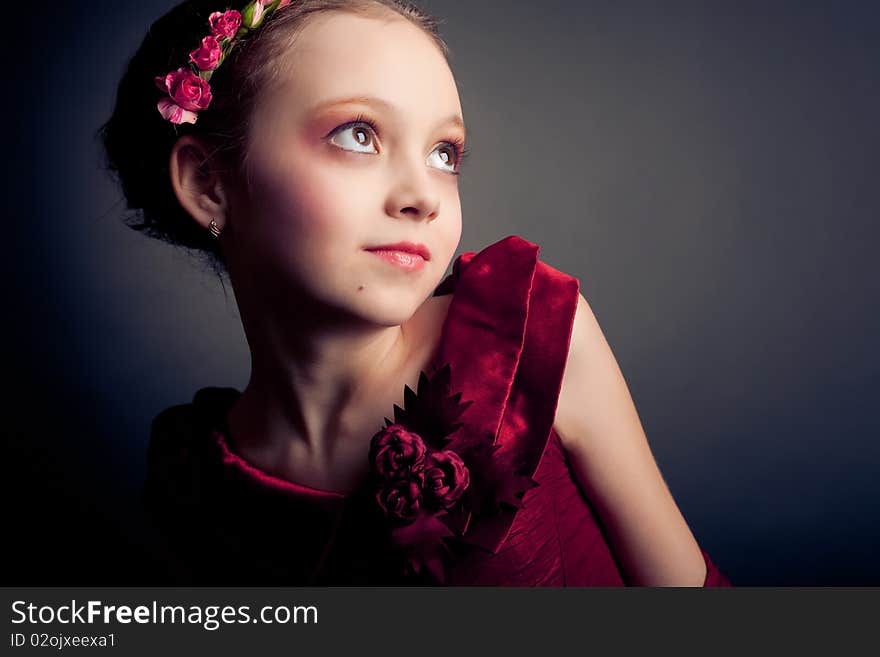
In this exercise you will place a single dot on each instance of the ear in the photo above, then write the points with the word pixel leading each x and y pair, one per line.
pixel 197 182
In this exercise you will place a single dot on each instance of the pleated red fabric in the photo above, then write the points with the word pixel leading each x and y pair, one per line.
pixel 505 340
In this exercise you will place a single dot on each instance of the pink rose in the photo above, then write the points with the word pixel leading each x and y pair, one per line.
pixel 396 452
pixel 445 478
pixel 186 89
pixel 224 25
pixel 173 112
pixel 206 56
pixel 401 500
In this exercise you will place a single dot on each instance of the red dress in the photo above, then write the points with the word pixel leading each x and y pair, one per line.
pixel 505 339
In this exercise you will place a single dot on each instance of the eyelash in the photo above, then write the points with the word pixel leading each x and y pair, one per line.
pixel 461 151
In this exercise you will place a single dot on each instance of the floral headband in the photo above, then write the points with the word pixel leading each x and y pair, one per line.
pixel 187 89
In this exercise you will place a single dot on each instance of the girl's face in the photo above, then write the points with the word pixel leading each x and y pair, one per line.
pixel 329 179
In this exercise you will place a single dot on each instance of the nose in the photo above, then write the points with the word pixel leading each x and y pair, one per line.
pixel 413 194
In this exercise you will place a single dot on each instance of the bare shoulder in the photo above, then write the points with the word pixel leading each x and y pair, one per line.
pixel 594 399
pixel 608 450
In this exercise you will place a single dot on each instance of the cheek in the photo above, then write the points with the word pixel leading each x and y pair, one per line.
pixel 451 227
pixel 308 202
pixel 324 202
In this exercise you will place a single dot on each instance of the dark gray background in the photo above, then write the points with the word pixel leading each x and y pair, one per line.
pixel 707 170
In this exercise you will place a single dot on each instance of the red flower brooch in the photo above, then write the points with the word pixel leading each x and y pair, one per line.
pixel 429 485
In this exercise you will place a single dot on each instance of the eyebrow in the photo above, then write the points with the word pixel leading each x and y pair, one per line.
pixel 454 119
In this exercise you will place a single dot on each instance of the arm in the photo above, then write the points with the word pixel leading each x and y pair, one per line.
pixel 608 451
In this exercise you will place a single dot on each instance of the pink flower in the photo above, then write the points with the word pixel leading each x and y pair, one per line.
pixel 445 478
pixel 224 25
pixel 186 89
pixel 401 500
pixel 282 4
pixel 206 56
pixel 175 113
pixel 396 453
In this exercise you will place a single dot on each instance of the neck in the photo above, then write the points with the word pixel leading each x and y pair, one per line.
pixel 316 376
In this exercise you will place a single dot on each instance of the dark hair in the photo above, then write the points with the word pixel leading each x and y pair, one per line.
pixel 137 141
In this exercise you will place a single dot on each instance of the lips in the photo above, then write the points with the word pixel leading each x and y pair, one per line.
pixel 405 247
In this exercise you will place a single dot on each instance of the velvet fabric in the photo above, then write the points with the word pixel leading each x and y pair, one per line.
pixel 506 338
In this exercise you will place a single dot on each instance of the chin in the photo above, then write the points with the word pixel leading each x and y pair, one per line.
pixel 388 308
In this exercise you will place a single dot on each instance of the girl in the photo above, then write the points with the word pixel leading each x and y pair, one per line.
pixel 396 428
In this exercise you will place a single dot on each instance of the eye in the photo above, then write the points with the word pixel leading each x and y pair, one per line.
pixel 359 136
pixel 362 135
pixel 449 155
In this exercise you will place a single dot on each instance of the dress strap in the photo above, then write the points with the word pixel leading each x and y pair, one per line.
pixel 507 345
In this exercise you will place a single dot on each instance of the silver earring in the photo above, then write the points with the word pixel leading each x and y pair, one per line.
pixel 214 228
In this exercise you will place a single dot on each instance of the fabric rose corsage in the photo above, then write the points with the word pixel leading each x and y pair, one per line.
pixel 428 484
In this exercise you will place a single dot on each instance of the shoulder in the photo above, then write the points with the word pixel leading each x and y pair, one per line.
pixel 182 423
pixel 611 459
pixel 587 341
pixel 180 435
pixel 594 398
pixel 171 431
